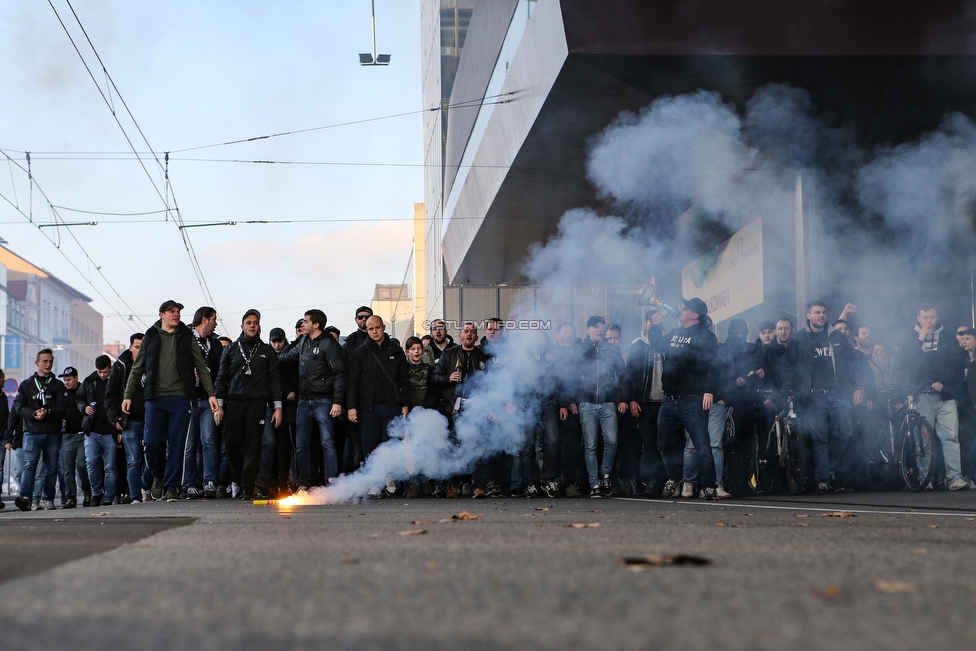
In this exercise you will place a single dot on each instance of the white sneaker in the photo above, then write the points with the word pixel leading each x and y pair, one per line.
pixel 391 486
pixel 235 490
pixel 722 493
pixel 373 492
pixel 687 490
pixel 146 495
pixel 958 484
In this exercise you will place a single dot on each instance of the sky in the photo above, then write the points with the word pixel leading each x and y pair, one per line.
pixel 194 74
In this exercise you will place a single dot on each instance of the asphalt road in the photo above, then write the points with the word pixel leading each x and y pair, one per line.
pixel 899 570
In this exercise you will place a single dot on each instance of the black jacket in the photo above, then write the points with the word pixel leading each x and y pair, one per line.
pixel 264 380
pixel 969 383
pixel 689 361
pixel 116 391
pixel 14 434
pixel 640 365
pixel 31 397
pixel 601 375
pixel 368 384
pixel 739 359
pixel 93 390
pixel 924 363
pixel 321 369
pixel 807 352
pixel 455 358
pixel 74 419
pixel 352 342
pixel 289 384
pixel 212 351
pixel 149 358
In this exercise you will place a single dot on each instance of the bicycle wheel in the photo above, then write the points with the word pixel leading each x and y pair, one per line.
pixel 767 466
pixel 796 461
pixel 916 458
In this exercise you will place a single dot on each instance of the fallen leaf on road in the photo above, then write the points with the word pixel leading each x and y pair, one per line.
pixel 832 593
pixel 431 567
pixel 920 550
pixel 894 587
pixel 748 515
pixel 349 561
pixel 719 524
pixel 411 532
pixel 463 515
pixel 801 515
pixel 581 525
pixel 934 526
pixel 800 524
pixel 642 563
pixel 542 508
pixel 838 514
pixel 594 511
pixel 420 522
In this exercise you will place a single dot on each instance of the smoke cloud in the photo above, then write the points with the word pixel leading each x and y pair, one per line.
pixel 886 213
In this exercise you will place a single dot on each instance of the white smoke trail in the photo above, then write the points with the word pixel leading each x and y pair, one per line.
pixel 695 150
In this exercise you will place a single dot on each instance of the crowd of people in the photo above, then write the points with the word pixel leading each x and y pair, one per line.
pixel 185 414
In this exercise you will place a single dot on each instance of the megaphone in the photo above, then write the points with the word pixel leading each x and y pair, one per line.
pixel 649 297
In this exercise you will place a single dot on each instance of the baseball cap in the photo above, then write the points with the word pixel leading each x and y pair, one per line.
pixel 69 371
pixel 595 320
pixel 170 304
pixel 767 325
pixel 300 324
pixel 277 334
pixel 251 312
pixel 697 306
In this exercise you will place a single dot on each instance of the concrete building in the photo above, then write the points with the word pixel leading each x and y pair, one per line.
pixel 394 304
pixel 535 80
pixel 43 311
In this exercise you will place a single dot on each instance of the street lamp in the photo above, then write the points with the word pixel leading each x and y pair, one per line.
pixel 373 59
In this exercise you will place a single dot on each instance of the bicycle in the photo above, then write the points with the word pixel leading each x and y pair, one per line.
pixel 882 467
pixel 784 455
pixel 919 447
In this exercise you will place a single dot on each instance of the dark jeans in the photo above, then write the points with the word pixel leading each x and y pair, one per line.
pixel 74 464
pixel 545 430
pixel 167 419
pixel 651 462
pixel 276 452
pixel 826 422
pixel 675 417
pixel 373 424
pixel 314 415
pixel 198 436
pixel 629 445
pixel 244 424
pixel 571 449
pixel 967 438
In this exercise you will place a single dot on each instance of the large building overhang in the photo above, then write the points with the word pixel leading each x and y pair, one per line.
pixel 888 69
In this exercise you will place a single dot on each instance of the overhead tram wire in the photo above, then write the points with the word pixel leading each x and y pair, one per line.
pixel 91 263
pixel 167 190
pixel 465 104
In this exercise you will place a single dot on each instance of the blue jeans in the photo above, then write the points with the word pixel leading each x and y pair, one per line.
pixel 826 421
pixel 943 416
pixel 73 462
pixel 35 447
pixel 676 416
pixel 100 450
pixel 167 421
pixel 593 419
pixel 310 414
pixel 135 460
pixel 200 431
pixel 716 433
